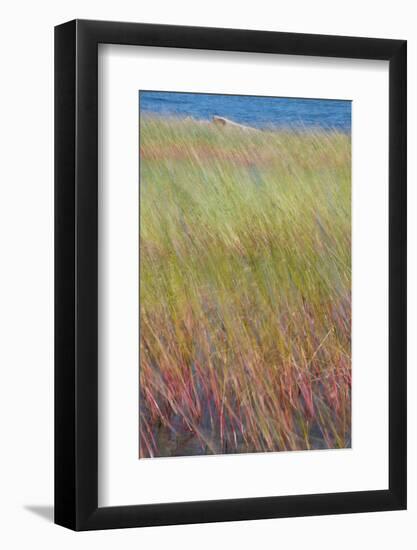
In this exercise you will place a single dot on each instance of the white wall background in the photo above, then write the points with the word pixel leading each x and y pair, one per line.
pixel 26 273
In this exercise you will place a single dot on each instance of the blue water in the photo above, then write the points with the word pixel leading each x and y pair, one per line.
pixel 260 112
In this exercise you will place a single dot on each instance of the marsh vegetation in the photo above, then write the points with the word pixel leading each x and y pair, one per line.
pixel 245 289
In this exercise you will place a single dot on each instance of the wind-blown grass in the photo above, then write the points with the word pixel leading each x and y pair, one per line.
pixel 245 289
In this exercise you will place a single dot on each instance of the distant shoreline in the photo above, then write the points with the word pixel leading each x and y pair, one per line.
pixel 256 111
pixel 232 124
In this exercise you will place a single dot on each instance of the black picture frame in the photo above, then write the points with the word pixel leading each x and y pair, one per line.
pixel 76 273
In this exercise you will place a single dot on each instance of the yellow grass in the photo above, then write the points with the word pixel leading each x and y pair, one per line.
pixel 245 288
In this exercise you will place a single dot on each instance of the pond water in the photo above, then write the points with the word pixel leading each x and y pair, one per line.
pixel 260 112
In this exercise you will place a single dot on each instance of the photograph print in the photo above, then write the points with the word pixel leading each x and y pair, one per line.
pixel 244 274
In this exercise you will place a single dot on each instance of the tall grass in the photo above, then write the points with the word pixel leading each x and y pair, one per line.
pixel 245 289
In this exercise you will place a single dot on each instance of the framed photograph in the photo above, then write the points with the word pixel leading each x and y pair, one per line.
pixel 230 252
